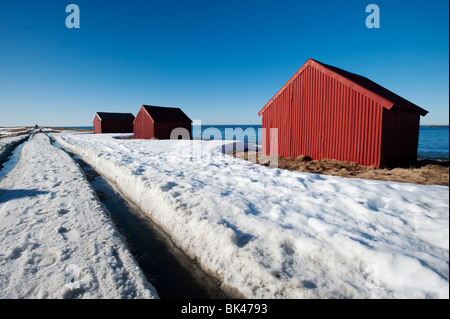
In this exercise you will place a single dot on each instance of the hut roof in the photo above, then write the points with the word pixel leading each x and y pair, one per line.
pixel 166 114
pixel 360 83
pixel 115 116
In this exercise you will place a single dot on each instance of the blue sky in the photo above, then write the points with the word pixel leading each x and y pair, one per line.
pixel 220 61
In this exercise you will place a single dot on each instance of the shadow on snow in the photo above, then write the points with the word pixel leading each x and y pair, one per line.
pixel 10 194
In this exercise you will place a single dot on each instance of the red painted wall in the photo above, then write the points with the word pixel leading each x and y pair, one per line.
pixel 146 128
pixel 117 126
pixel 400 137
pixel 319 115
pixel 164 129
pixel 112 126
pixel 143 125
pixel 97 125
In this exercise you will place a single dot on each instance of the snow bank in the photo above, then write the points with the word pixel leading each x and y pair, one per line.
pixel 270 233
pixel 6 142
pixel 7 146
pixel 57 239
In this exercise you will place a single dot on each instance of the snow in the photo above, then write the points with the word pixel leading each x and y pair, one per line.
pixel 7 131
pixel 57 239
pixel 7 141
pixel 271 233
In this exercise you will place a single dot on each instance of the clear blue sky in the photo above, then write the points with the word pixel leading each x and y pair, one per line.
pixel 220 61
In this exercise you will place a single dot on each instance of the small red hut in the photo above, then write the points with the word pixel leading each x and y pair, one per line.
pixel 159 122
pixel 105 122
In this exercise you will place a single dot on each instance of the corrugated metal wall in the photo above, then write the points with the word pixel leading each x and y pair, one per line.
pixel 112 126
pixel 117 126
pixel 97 125
pixel 145 128
pixel 164 129
pixel 143 125
pixel 319 116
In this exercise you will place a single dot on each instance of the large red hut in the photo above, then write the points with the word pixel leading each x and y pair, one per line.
pixel 326 112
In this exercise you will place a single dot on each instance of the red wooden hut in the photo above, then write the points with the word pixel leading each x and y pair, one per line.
pixel 106 122
pixel 158 122
pixel 326 112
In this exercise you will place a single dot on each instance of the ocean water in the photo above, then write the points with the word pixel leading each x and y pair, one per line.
pixel 247 133
pixel 433 141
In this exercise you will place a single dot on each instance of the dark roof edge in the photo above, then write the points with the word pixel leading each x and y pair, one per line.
pixel 165 108
pixel 364 85
pixel 129 115
pixel 377 89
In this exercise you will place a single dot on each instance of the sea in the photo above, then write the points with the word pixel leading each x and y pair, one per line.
pixel 433 140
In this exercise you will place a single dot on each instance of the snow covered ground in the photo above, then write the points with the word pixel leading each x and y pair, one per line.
pixel 7 145
pixel 6 141
pixel 7 131
pixel 271 233
pixel 57 239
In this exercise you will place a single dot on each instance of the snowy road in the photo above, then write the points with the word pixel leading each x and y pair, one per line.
pixel 270 233
pixel 57 240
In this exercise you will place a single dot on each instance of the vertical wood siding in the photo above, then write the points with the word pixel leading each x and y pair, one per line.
pixel 319 116
pixel 97 125
pixel 143 126
pixel 112 126
pixel 146 128
pixel 400 137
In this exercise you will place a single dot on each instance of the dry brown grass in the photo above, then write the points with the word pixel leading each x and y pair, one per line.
pixel 16 131
pixel 425 172
pixel 19 129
